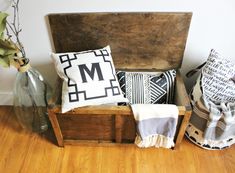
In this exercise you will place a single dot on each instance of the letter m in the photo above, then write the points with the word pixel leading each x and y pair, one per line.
pixel 95 67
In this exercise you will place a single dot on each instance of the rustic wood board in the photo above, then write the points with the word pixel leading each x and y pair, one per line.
pixel 139 41
pixel 153 40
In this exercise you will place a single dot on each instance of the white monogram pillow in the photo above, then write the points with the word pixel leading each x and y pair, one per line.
pixel 89 78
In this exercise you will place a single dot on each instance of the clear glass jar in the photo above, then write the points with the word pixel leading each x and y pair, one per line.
pixel 31 94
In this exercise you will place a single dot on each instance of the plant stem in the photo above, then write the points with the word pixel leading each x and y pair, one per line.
pixel 15 27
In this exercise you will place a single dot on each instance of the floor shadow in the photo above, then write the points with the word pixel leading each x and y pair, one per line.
pixel 9 122
pixel 49 136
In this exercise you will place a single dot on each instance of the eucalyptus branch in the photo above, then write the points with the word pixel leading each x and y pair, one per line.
pixel 15 27
pixel 8 33
pixel 15 13
pixel 11 28
pixel 18 16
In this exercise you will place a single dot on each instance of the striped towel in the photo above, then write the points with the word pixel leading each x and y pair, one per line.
pixel 156 124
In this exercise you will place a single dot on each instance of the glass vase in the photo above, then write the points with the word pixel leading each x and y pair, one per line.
pixel 31 94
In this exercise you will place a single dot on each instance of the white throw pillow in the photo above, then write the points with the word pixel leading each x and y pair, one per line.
pixel 212 124
pixel 89 78
pixel 217 79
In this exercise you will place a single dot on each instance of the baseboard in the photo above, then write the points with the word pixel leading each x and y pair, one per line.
pixel 6 98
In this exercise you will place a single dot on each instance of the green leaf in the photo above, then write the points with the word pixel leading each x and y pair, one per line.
pixel 2 51
pixel 5 61
pixel 8 44
pixel 7 48
pixel 7 52
pixel 3 17
pixel 6 56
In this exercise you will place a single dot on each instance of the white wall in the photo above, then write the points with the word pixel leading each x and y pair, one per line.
pixel 212 26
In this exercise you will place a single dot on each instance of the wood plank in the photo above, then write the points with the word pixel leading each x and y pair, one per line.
pixel 95 143
pixel 105 110
pixel 22 151
pixel 89 127
pixel 56 127
pixel 118 128
pixel 151 40
pixel 10 126
pixel 94 126
pixel 182 129
pixel 3 119
pixel 181 98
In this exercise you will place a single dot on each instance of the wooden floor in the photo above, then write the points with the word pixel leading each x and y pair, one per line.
pixel 25 152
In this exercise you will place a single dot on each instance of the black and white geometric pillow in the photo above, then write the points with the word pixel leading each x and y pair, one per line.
pixel 89 78
pixel 144 88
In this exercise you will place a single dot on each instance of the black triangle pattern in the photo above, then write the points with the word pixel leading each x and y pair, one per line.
pixel 142 88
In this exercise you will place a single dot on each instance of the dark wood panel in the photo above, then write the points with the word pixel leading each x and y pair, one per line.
pixel 87 127
pixel 137 40
pixel 129 129
pixel 96 127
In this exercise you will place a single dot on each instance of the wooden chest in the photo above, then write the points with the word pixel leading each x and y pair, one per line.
pixel 140 42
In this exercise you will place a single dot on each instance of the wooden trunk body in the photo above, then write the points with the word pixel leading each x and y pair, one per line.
pixel 139 42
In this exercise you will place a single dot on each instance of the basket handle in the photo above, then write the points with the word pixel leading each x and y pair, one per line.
pixel 195 70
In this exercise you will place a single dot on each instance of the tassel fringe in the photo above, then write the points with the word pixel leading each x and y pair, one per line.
pixel 154 140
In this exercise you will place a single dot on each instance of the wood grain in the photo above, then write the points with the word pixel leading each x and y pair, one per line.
pixel 143 41
pixel 56 126
pixel 108 123
pixel 138 40
pixel 101 123
pixel 106 110
pixel 22 151
pixel 118 128
pixel 89 127
pixel 181 98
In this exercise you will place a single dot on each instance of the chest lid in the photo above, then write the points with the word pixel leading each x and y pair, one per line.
pixel 153 40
